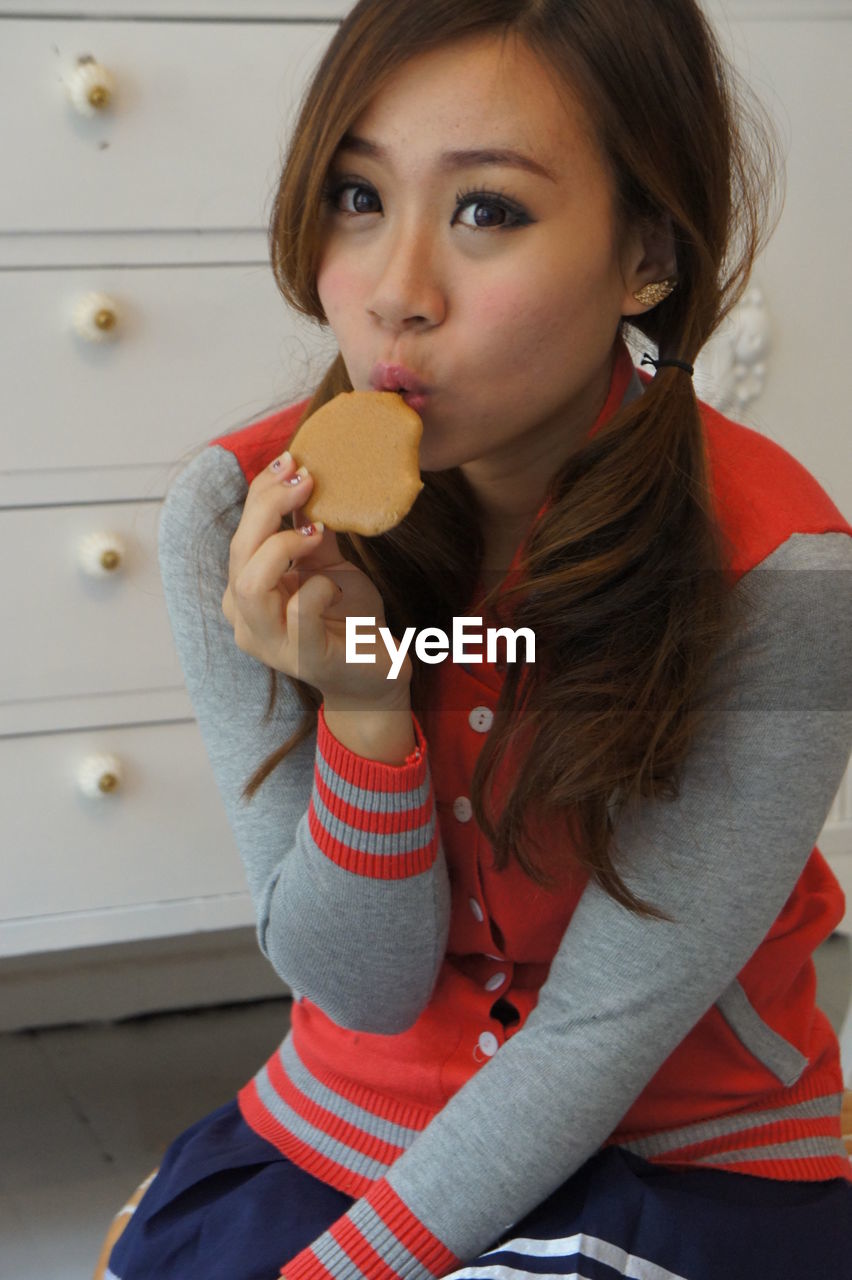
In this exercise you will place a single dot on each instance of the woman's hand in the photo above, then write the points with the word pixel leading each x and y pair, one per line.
pixel 290 591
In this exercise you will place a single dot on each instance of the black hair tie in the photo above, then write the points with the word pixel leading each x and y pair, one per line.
pixel 668 364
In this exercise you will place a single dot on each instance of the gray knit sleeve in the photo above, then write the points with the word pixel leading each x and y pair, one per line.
pixel 375 974
pixel 721 861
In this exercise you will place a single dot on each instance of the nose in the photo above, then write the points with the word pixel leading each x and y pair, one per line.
pixel 408 292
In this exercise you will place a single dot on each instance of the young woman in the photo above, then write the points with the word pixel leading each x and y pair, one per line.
pixel 548 925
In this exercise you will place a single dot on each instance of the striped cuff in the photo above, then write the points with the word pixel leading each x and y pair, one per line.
pixel 371 818
pixel 378 1239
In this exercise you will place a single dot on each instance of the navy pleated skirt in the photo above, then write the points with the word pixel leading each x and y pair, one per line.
pixel 226 1205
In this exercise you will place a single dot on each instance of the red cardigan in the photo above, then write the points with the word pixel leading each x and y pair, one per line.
pixel 712 1097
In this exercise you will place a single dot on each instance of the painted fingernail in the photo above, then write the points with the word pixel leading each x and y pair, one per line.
pixel 308 530
pixel 280 463
pixel 300 475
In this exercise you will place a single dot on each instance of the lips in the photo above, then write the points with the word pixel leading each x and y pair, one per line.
pixel 396 377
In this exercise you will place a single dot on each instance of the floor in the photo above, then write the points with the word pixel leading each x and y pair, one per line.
pixel 85 1112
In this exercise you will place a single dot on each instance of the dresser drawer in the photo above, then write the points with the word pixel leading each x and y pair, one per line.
pixel 67 632
pixel 196 351
pixel 159 838
pixel 200 115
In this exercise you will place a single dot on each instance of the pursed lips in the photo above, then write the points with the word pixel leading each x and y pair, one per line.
pixel 396 377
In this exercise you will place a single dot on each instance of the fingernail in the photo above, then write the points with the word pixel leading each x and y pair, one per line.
pixel 300 475
pixel 281 463
pixel 308 530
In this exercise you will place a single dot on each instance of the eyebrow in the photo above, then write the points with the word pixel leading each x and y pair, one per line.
pixel 451 160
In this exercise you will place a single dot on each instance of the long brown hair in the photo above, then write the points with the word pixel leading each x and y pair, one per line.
pixel 624 580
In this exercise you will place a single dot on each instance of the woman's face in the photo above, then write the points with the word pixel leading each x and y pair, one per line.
pixel 471 250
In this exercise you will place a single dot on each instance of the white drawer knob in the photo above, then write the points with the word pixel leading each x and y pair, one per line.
pixel 90 86
pixel 96 317
pixel 99 776
pixel 101 554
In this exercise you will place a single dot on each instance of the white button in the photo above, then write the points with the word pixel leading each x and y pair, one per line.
pixel 481 719
pixel 476 909
pixel 488 1043
pixel 462 809
pixel 495 981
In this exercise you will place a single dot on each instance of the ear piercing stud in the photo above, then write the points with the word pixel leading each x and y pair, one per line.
pixel 651 294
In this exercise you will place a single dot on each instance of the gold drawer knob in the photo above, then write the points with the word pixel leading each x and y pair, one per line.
pixel 90 86
pixel 96 317
pixel 101 554
pixel 99 775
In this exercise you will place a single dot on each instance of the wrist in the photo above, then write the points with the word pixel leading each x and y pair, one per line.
pixel 385 734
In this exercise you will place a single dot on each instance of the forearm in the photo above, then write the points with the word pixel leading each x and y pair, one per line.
pixel 337 936
pixel 358 914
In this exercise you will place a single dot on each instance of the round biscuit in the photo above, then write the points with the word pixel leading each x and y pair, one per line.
pixel 361 449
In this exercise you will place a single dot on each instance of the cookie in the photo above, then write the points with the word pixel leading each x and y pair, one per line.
pixel 361 449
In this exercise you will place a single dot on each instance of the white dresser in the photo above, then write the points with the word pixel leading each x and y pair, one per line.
pixel 140 319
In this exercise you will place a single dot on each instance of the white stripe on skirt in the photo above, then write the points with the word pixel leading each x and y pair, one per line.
pixel 625 1264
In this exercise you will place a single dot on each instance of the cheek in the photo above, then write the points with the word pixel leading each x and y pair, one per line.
pixel 506 309
pixel 515 321
pixel 338 288
pixel 520 319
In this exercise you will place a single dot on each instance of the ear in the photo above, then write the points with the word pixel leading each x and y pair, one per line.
pixel 649 256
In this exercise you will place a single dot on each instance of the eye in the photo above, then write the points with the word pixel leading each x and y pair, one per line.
pixel 489 210
pixel 352 197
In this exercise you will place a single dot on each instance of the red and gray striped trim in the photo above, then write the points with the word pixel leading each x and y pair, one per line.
pixel 778 1134
pixel 327 1134
pixel 809 1148
pixel 351 1113
pixel 378 1239
pixel 370 818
